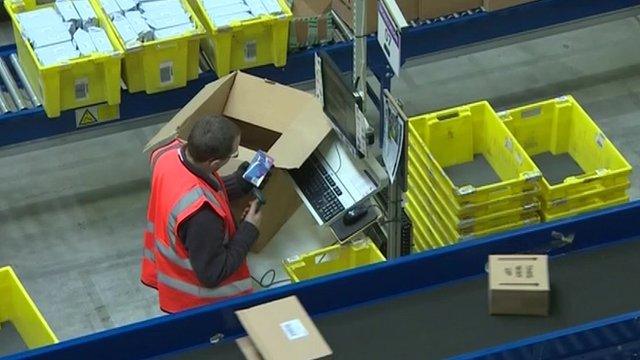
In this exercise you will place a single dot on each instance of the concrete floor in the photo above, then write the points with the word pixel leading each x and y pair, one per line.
pixel 72 213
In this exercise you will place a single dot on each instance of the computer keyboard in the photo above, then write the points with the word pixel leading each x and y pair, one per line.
pixel 320 189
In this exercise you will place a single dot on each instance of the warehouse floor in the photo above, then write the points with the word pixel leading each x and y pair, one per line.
pixel 72 212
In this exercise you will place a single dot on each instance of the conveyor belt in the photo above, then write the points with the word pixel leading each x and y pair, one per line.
pixel 453 320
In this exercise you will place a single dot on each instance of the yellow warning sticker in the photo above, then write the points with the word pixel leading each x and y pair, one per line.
pixel 87 119
pixel 96 114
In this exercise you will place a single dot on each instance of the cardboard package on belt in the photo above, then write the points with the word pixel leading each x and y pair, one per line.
pixel 281 330
pixel 344 10
pixel 519 285
pixel 491 5
pixel 286 123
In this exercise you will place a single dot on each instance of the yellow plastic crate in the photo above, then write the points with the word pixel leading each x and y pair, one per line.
pixel 523 201
pixel 160 65
pixel 332 259
pixel 246 44
pixel 468 225
pixel 452 137
pixel 17 307
pixel 72 84
pixel 588 208
pixel 422 211
pixel 423 230
pixel 561 126
pixel 593 200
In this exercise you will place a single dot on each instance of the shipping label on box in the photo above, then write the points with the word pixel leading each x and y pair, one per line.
pixel 519 285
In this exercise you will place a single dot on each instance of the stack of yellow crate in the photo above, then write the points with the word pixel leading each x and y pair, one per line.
pixel 445 210
pixel 581 169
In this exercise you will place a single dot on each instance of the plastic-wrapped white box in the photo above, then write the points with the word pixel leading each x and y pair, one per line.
pixel 85 10
pixel 100 39
pixel 173 31
pixel 82 41
pixel 272 6
pixel 257 7
pixel 111 7
pixel 127 5
pixel 68 12
pixel 43 15
pixel 48 33
pixel 160 6
pixel 226 20
pixel 129 37
pixel 139 25
pixel 226 9
pixel 164 22
pixel 53 54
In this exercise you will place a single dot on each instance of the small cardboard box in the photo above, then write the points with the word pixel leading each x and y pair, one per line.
pixel 281 330
pixel 312 23
pixel 344 10
pixel 286 123
pixel 491 5
pixel 519 285
pixel 431 9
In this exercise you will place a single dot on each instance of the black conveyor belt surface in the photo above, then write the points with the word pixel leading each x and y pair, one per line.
pixel 452 320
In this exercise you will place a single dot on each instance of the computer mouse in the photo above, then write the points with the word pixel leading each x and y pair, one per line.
pixel 354 215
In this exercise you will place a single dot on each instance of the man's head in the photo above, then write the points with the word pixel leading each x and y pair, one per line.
pixel 213 141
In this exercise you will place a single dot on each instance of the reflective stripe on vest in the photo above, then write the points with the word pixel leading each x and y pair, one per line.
pixel 182 204
pixel 232 289
pixel 150 227
pixel 171 255
pixel 148 254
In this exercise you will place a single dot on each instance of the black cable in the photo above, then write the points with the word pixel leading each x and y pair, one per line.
pixel 339 162
pixel 271 282
pixel 325 254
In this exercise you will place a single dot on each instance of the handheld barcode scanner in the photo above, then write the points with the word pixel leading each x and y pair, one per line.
pixel 259 196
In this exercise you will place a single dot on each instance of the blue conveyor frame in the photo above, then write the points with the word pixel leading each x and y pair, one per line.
pixel 382 282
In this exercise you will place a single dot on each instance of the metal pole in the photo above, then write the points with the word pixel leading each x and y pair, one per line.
pixel 23 79
pixel 360 52
pixel 11 85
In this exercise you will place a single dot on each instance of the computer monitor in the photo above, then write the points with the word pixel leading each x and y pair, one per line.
pixel 339 101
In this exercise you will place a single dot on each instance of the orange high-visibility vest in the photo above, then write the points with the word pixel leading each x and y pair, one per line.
pixel 177 193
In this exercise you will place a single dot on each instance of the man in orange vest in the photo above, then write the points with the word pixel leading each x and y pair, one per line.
pixel 193 252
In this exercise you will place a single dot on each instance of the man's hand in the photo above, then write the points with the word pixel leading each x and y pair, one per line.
pixel 253 214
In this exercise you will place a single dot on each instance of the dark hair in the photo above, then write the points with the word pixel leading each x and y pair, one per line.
pixel 212 137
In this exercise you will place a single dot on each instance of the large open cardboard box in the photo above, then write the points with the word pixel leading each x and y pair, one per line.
pixel 286 123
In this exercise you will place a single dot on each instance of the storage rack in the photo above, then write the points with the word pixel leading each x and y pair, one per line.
pixel 429 42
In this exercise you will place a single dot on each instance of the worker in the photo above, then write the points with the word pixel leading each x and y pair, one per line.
pixel 193 252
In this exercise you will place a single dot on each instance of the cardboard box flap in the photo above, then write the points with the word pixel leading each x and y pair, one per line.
pixel 286 123
pixel 210 100
pixel 282 330
pixel 311 8
pixel 265 103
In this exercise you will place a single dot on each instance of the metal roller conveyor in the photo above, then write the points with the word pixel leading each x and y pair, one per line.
pixel 23 79
pixel 11 85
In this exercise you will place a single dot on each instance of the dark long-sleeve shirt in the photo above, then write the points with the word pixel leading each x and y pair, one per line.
pixel 203 234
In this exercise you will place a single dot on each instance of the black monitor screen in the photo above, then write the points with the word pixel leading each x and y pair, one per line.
pixel 339 101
